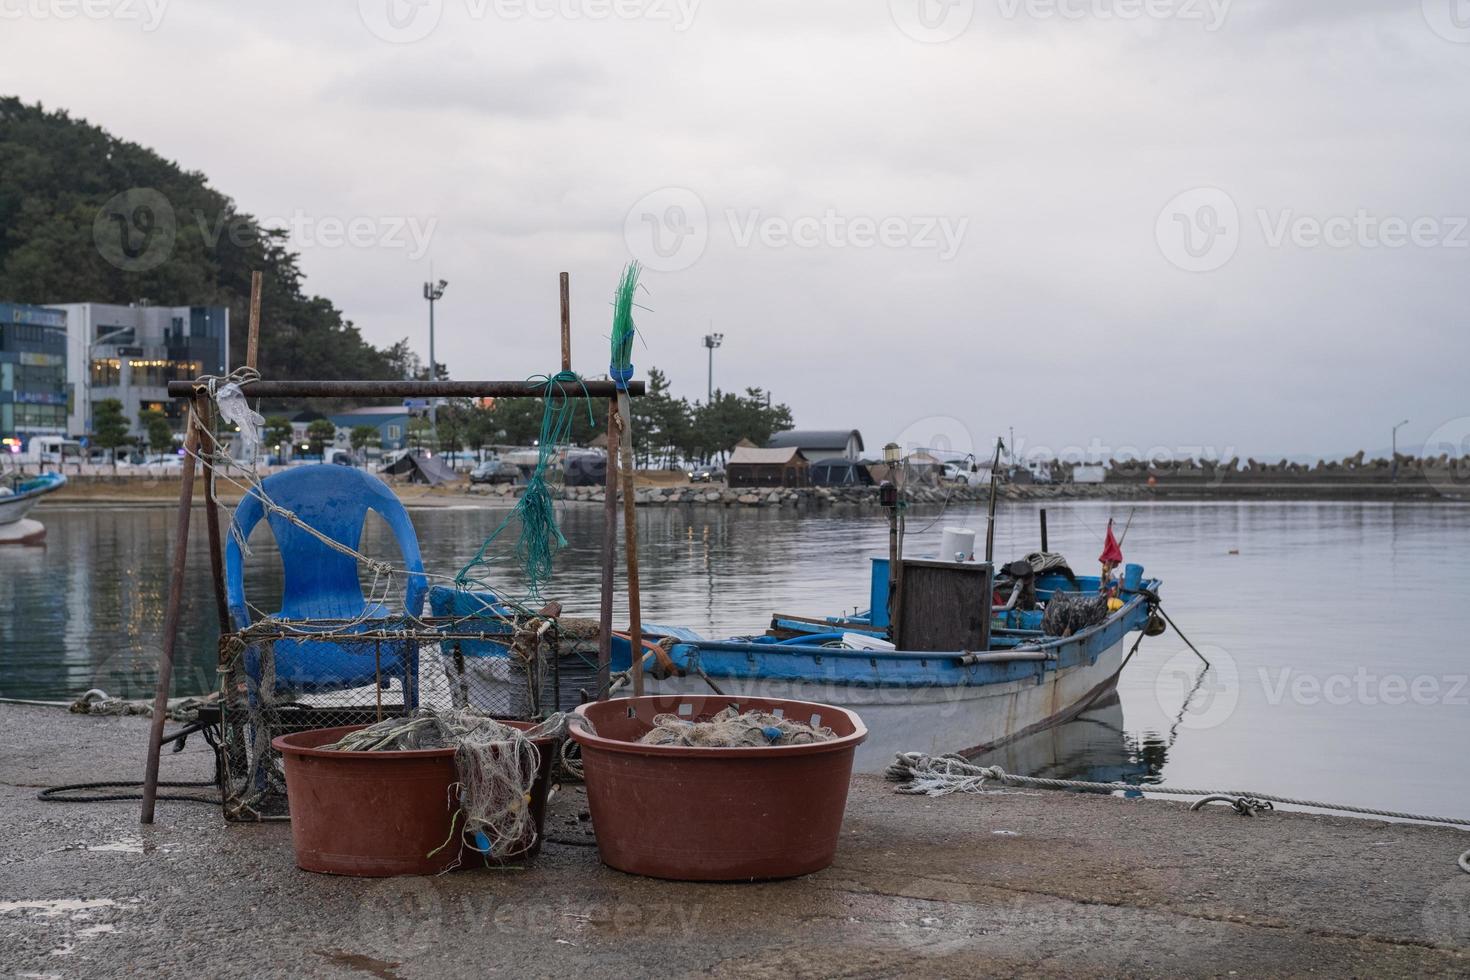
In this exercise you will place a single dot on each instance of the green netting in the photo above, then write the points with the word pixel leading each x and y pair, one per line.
pixel 540 538
pixel 621 367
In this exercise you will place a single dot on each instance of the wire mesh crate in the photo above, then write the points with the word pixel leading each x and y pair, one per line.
pixel 522 669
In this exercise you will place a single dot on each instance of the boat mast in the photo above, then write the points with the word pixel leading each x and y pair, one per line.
pixel 990 517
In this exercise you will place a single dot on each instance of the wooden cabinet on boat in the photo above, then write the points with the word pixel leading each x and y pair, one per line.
pixel 944 605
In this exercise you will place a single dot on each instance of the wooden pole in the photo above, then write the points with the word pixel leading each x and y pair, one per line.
pixel 630 541
pixel 252 341
pixel 1044 548
pixel 990 516
pixel 609 556
pixel 1124 536
pixel 201 419
pixel 566 322
pixel 171 620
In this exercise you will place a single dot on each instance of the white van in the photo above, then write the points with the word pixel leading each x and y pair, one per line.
pixel 53 450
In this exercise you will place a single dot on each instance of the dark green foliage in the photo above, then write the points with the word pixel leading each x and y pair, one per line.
pixel 60 220
pixel 363 436
pixel 160 432
pixel 320 434
pixel 729 418
pixel 278 432
pixel 421 433
pixel 109 424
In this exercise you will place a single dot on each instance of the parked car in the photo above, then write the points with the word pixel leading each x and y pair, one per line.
pixel 707 474
pixel 495 471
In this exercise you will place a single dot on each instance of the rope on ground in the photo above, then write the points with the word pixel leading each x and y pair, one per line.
pixel 925 775
pixel 62 794
pixel 98 702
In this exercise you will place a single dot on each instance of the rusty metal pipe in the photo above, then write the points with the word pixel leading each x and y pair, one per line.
pixel 413 389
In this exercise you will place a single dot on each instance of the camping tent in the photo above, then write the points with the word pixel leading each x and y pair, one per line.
pixel 840 473
pixel 585 469
pixel 766 468
pixel 420 467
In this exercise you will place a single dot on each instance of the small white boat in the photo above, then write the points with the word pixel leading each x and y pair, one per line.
pixel 17 500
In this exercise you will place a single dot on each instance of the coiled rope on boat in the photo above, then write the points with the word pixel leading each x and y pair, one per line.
pixel 926 775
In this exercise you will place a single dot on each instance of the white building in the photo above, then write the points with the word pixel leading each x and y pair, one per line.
pixel 131 353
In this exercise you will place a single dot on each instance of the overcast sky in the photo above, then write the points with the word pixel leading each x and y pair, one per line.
pixel 1232 226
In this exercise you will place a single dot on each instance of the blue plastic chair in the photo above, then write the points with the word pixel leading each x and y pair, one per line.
pixel 322 583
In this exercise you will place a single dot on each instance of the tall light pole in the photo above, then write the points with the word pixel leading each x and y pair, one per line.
pixel 109 336
pixel 712 340
pixel 1395 465
pixel 432 292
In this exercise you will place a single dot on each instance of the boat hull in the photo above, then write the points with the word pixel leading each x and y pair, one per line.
pixel 15 506
pixel 13 509
pixel 937 719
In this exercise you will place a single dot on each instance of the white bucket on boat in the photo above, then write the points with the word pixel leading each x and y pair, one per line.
pixel 958 544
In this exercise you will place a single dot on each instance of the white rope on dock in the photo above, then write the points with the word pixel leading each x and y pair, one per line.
pixel 925 775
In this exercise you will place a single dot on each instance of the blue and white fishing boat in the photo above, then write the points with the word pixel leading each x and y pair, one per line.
pixel 17 499
pixel 1015 663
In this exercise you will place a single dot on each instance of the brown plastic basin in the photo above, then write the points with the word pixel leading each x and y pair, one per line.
pixel 377 814
pixel 714 814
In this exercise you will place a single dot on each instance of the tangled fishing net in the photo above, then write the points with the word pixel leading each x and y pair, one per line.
pixel 732 729
pixel 1072 612
pixel 496 763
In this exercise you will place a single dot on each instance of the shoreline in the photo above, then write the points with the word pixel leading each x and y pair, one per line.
pixel 122 494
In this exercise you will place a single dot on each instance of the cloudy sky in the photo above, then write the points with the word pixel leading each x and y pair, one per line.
pixel 1237 227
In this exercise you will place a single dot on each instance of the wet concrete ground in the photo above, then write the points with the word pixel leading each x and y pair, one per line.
pixel 1023 884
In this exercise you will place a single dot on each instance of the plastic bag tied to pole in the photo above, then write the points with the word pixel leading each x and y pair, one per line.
pixel 233 407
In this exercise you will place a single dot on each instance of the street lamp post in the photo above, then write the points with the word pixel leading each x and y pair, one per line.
pixel 87 376
pixel 711 341
pixel 1394 466
pixel 432 293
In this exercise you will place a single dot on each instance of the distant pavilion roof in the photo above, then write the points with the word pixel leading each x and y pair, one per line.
pixel 816 438
pixel 745 454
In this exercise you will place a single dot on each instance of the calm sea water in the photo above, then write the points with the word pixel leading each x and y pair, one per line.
pixel 1337 631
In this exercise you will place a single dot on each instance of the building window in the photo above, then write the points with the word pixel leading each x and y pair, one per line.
pixel 395 432
pixel 106 372
pixel 30 417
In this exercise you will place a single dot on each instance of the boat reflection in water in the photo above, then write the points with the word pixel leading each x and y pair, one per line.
pixel 1093 747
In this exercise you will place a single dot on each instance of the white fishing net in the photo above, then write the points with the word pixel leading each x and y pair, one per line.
pixel 496 763
pixel 731 728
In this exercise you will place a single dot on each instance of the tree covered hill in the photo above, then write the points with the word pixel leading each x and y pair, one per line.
pixel 85 216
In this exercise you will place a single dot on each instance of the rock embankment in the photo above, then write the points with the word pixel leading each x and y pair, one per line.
pixel 823 497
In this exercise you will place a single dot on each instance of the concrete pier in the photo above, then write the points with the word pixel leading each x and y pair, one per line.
pixel 1013 883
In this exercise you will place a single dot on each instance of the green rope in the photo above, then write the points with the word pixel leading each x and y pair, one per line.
pixel 540 538
pixel 621 367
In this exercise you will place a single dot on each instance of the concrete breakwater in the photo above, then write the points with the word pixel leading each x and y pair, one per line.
pixel 824 497
pixel 1083 885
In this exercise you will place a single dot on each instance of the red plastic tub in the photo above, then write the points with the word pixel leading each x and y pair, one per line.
pixel 714 814
pixel 377 814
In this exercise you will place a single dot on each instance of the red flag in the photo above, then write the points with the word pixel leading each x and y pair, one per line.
pixel 1112 554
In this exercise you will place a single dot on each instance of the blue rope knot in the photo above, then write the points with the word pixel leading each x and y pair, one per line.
pixel 621 376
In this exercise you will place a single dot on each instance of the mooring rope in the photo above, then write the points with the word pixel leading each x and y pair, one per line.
pixel 925 775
